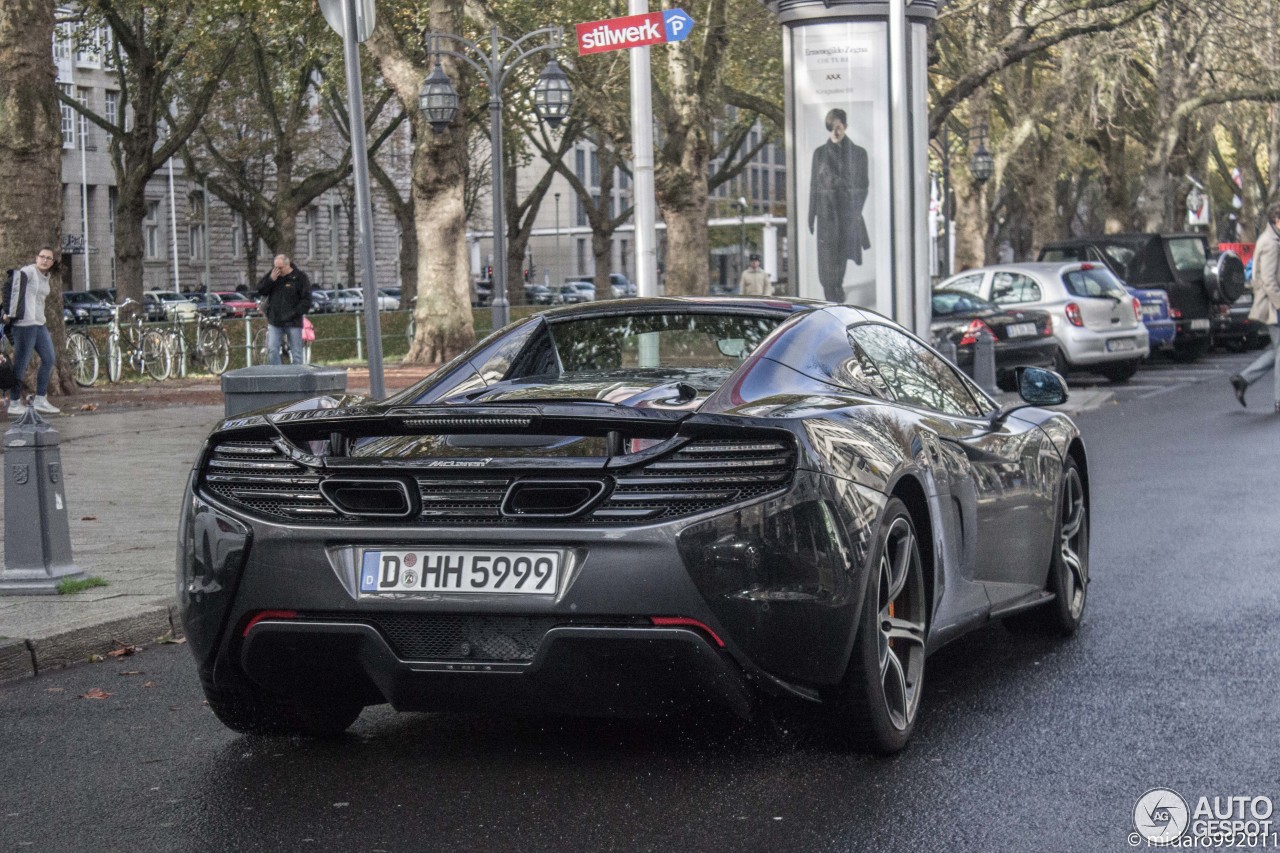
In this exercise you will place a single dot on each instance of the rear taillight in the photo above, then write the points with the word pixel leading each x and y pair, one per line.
pixel 1137 310
pixel 1073 314
pixel 1175 313
pixel 971 333
pixel 1224 310
pixel 1048 327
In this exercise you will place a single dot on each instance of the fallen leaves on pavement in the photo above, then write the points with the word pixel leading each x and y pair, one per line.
pixel 96 693
pixel 89 407
pixel 124 651
pixel 88 518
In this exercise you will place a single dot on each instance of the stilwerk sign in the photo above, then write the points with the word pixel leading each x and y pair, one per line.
pixel 634 31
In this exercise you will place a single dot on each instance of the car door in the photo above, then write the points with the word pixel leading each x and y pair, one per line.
pixel 998 478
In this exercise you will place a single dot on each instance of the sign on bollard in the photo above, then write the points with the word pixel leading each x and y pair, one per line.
pixel 37 537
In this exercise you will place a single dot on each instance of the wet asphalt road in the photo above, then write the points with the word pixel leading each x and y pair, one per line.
pixel 1023 743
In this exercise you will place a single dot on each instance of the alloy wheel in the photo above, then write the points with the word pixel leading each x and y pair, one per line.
pixel 901 622
pixel 1073 543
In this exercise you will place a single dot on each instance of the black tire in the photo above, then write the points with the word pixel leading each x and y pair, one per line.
pixel 1060 364
pixel 1068 578
pixel 1121 371
pixel 1185 352
pixel 876 707
pixel 250 711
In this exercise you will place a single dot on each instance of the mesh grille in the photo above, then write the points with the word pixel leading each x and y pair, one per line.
pixel 703 475
pixel 442 637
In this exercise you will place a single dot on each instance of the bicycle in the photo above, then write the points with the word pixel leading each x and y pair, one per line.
pixel 82 355
pixel 175 341
pixel 212 351
pixel 145 349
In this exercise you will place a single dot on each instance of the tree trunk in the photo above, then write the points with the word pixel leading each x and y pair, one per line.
pixel 971 226
pixel 31 153
pixel 444 325
pixel 602 251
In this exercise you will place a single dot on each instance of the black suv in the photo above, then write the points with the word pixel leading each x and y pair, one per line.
pixel 1197 279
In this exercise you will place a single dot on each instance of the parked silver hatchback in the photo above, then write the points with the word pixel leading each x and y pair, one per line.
pixel 1096 322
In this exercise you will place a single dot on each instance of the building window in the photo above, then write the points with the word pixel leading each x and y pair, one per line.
pixel 580 164
pixel 582 256
pixel 779 155
pixel 62 44
pixel 764 187
pixel 622 257
pixel 113 198
pixel 195 225
pixel 335 213
pixel 82 124
pixel 755 181
pixel 595 169
pixel 151 229
pixel 582 212
pixel 68 118
pixel 237 235
pixel 780 184
pixel 112 102
pixel 88 52
pixel 310 224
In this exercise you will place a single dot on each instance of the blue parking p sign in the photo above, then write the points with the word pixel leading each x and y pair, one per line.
pixel 677 23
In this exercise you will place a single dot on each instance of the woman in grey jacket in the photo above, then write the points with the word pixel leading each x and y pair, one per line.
pixel 23 306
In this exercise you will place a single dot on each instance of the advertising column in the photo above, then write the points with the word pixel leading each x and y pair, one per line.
pixel 843 154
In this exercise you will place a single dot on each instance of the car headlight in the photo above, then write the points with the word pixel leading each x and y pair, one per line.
pixel 81 313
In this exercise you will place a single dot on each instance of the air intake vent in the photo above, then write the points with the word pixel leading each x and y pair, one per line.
pixel 256 475
pixel 703 475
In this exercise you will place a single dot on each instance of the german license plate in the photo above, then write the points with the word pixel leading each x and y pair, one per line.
pixel 1200 325
pixel 1120 345
pixel 1022 330
pixel 458 571
pixel 1151 311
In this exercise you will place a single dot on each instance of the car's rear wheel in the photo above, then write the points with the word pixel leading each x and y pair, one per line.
pixel 252 712
pixel 1121 371
pixel 1069 569
pixel 877 705
pixel 1060 364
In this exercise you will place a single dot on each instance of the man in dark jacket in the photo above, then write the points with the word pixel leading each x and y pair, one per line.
pixel 288 293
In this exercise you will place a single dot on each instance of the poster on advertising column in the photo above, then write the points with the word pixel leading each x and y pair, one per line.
pixel 840 134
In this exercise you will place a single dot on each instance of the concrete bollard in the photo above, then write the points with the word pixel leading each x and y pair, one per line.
pixel 984 362
pixel 948 350
pixel 37 538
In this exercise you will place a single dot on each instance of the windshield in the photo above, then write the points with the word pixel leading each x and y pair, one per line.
pixel 1093 281
pixel 700 349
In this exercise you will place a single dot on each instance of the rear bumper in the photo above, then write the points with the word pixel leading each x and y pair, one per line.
pixel 591 671
pixel 1087 348
pixel 1161 332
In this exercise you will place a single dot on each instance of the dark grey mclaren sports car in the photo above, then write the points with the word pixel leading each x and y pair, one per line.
pixel 627 508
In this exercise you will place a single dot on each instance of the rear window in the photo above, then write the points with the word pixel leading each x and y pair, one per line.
pixel 1061 255
pixel 946 303
pixel 1095 282
pixel 1187 254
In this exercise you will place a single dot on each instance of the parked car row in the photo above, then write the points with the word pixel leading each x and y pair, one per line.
pixel 572 291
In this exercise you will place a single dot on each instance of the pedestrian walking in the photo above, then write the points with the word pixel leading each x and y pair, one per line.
pixel 288 293
pixel 22 311
pixel 755 281
pixel 1266 299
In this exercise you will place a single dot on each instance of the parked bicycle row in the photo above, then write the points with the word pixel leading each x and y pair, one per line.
pixel 207 344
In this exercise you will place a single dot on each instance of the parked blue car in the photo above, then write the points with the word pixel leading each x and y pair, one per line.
pixel 1154 305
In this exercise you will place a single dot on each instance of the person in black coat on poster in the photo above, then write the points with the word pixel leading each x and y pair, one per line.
pixel 838 186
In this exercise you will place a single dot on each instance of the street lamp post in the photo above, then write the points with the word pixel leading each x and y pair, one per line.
pixel 438 101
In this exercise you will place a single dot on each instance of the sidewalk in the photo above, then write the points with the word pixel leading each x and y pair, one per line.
pixel 126 462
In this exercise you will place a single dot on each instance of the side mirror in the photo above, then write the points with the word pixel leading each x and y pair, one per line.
pixel 1041 387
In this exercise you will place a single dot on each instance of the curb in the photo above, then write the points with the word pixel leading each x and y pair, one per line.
pixel 23 658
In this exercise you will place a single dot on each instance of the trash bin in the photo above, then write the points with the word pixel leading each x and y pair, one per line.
pixel 263 385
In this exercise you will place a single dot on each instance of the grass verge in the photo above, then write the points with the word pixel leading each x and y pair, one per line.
pixel 71 585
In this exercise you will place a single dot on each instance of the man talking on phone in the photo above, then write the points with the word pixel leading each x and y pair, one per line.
pixel 288 293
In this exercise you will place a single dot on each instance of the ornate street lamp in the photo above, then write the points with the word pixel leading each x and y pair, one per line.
pixel 982 165
pixel 552 97
pixel 438 100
